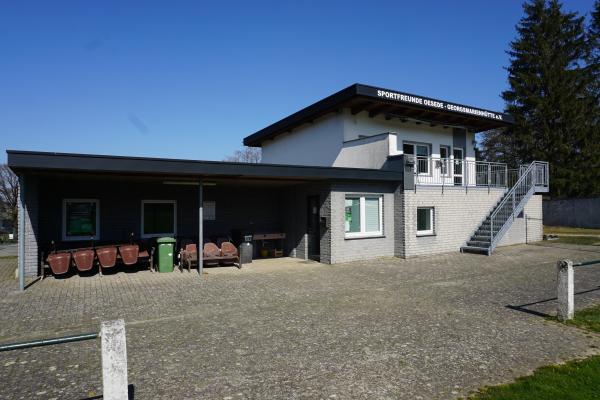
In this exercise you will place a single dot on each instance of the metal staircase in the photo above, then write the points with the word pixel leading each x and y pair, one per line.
pixel 533 178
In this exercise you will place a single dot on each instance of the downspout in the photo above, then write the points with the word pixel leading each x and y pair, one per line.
pixel 21 235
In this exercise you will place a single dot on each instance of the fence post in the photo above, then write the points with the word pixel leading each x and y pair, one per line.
pixel 566 290
pixel 114 360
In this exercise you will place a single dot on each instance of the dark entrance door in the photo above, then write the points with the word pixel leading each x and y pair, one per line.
pixel 312 229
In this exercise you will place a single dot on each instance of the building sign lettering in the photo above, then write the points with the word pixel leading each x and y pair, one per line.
pixel 441 105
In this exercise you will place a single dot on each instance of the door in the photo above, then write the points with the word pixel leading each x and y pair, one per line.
pixel 313 228
pixel 459 166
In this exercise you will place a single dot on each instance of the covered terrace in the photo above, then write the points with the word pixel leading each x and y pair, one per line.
pixel 78 200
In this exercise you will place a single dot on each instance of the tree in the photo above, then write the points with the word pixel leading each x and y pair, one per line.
pixel 246 155
pixel 9 193
pixel 496 146
pixel 549 95
pixel 594 49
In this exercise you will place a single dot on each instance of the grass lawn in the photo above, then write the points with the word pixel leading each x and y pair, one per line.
pixel 572 231
pixel 8 257
pixel 583 240
pixel 575 380
pixel 588 318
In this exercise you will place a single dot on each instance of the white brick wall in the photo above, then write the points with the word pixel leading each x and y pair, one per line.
pixel 457 214
pixel 529 228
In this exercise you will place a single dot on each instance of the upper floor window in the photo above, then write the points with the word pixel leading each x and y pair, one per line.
pixel 421 154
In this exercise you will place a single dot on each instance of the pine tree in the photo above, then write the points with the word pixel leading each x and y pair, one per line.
pixel 591 149
pixel 594 49
pixel 549 93
pixel 497 146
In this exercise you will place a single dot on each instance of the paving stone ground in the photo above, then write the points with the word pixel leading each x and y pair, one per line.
pixel 434 327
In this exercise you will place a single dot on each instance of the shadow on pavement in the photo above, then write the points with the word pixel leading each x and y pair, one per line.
pixel 523 307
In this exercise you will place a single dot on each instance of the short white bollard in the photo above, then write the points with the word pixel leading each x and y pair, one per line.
pixel 566 290
pixel 114 360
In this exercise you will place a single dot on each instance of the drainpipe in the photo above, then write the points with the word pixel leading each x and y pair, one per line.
pixel 21 235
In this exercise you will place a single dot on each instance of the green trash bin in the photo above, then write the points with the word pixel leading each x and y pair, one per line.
pixel 165 254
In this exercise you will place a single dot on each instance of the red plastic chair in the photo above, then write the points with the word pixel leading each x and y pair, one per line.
pixel 129 253
pixel 84 259
pixel 59 263
pixel 107 256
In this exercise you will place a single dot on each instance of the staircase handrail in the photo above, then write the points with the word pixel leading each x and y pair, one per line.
pixel 511 195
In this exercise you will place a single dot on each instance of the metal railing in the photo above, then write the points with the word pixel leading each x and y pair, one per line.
pixel 531 176
pixel 458 172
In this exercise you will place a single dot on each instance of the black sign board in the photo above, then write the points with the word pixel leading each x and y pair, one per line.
pixel 426 102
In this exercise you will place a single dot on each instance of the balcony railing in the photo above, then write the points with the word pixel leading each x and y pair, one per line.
pixel 458 172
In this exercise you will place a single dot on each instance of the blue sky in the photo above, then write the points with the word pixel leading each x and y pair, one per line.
pixel 191 79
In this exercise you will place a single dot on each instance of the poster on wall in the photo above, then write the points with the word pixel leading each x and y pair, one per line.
pixel 209 211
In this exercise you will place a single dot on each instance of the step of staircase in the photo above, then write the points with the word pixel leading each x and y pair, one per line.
pixel 474 249
pixel 478 243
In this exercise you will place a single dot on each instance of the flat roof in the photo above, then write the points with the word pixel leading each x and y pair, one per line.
pixel 392 104
pixel 34 161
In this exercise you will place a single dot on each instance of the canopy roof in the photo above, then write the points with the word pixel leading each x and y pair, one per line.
pixel 45 162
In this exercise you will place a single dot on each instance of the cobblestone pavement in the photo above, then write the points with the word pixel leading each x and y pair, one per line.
pixel 433 327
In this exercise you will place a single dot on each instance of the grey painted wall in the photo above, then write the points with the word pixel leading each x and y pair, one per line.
pixel 369 152
pixel 295 219
pixel 580 213
pixel 344 249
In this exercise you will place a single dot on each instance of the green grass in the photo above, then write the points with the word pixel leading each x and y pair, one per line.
pixel 588 318
pixel 570 230
pixel 575 380
pixel 8 257
pixel 583 240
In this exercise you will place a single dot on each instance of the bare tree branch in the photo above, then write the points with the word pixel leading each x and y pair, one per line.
pixel 246 155
pixel 9 193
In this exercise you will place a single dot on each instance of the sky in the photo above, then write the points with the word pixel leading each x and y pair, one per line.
pixel 181 79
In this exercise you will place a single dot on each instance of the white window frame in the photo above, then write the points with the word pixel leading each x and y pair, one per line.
pixel 363 223
pixel 428 232
pixel 414 154
pixel 153 235
pixel 64 220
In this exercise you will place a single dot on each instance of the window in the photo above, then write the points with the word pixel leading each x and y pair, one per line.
pixel 421 154
pixel 363 216
pixel 81 219
pixel 425 221
pixel 444 159
pixel 159 218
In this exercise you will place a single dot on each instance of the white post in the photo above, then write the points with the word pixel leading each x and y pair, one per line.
pixel 114 360
pixel 566 290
